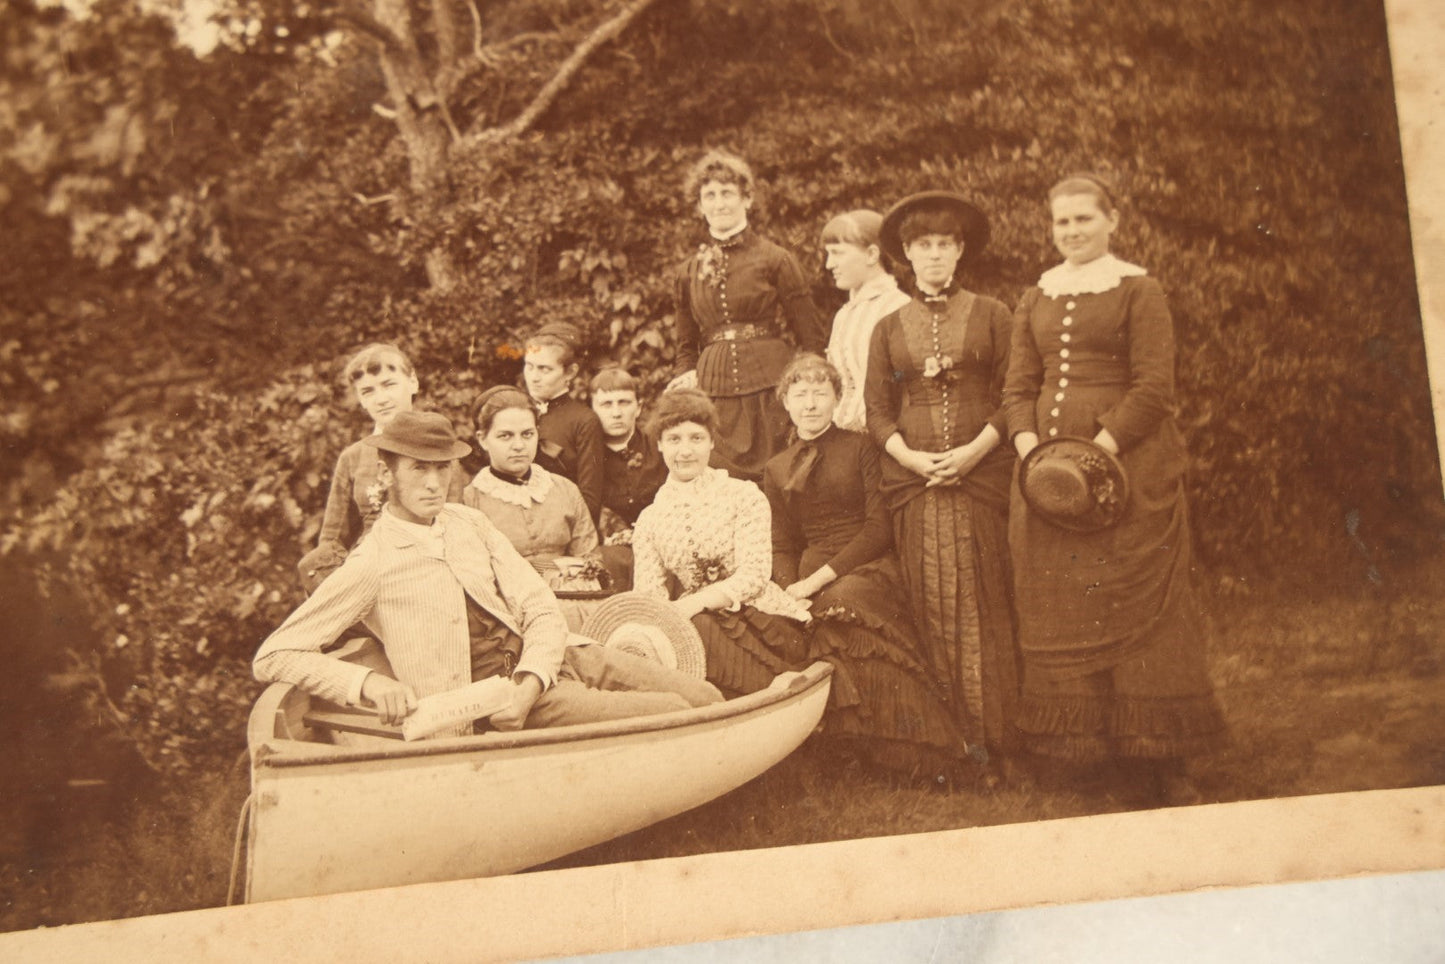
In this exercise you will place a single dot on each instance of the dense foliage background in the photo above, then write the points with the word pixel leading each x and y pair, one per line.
pixel 194 243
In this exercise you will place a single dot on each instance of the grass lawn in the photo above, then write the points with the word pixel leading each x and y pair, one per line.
pixel 1326 689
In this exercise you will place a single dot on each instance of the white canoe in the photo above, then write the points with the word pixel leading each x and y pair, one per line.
pixel 327 818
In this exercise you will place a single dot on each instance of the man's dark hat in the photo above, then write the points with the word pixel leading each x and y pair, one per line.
pixel 425 436
pixel 1074 484
pixel 975 224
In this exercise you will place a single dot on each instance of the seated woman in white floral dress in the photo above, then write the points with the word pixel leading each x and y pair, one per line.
pixel 712 534
pixel 541 513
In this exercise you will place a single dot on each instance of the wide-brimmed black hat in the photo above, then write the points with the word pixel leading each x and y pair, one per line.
pixel 975 223
pixel 425 436
pixel 1074 484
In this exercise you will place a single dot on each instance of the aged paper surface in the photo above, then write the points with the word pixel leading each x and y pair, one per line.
pixel 881 879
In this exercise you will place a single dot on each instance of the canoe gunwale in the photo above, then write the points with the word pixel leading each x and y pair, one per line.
pixel 268 750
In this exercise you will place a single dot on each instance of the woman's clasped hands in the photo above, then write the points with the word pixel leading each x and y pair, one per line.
pixel 943 468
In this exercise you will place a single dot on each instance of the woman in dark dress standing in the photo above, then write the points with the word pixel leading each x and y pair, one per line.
pixel 1111 633
pixel 733 298
pixel 833 544
pixel 934 400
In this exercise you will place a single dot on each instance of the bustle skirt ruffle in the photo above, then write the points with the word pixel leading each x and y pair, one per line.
pixel 1157 704
pixel 747 648
pixel 883 705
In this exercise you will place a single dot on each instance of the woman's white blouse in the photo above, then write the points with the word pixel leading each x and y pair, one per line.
pixel 848 345
pixel 713 530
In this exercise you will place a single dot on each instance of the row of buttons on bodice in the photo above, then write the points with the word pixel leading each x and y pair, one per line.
pixel 948 415
pixel 1066 338
pixel 727 313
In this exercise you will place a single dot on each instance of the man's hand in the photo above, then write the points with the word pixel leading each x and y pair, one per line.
pixel 525 693
pixel 393 700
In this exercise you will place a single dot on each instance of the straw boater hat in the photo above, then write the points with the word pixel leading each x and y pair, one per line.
pixel 1074 484
pixel 975 224
pixel 425 436
pixel 648 627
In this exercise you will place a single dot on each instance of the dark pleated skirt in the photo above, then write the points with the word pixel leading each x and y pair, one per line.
pixel 747 648
pixel 751 429
pixel 954 553
pixel 883 705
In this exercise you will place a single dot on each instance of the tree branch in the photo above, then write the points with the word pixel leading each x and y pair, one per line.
pixel 476 29
pixel 444 26
pixel 484 57
pixel 606 31
pixel 366 24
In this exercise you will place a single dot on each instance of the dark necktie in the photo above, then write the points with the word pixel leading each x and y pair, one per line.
pixel 804 460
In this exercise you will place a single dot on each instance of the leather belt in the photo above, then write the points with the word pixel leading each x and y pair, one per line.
pixel 747 332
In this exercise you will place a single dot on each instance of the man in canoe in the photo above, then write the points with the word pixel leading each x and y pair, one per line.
pixel 453 602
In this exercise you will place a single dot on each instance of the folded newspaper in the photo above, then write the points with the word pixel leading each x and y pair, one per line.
pixel 471 702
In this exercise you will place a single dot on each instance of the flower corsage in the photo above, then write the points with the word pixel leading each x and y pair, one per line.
pixel 707 571
pixel 709 264
pixel 935 365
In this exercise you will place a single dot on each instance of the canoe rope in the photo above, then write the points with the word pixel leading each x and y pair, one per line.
pixel 236 850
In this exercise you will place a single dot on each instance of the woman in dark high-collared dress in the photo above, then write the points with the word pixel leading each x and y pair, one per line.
pixel 1110 630
pixel 934 403
pixel 733 298
pixel 833 544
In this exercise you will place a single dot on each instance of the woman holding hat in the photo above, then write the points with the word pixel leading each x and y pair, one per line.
pixel 710 536
pixel 541 513
pixel 934 400
pixel 733 299
pixel 1109 627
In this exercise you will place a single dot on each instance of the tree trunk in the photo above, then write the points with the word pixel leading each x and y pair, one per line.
pixel 421 120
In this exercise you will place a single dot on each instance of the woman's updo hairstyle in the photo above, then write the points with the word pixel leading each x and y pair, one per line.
pixel 559 335
pixel 680 406
pixel 498 399
pixel 374 359
pixel 1091 185
pixel 931 219
pixel 720 166
pixel 810 367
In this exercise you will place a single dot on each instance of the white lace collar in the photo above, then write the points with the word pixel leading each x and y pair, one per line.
pixel 1098 276
pixel 536 489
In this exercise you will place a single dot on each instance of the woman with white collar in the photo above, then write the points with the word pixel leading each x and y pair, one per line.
pixel 853 255
pixel 710 536
pixel 541 513
pixel 1110 631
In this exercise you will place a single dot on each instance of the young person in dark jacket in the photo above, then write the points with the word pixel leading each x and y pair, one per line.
pixel 570 436
pixel 632 469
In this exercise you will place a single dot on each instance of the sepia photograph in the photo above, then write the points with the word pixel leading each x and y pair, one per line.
pixel 604 449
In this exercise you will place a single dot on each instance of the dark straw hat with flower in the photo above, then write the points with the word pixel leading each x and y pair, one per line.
pixel 1074 484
